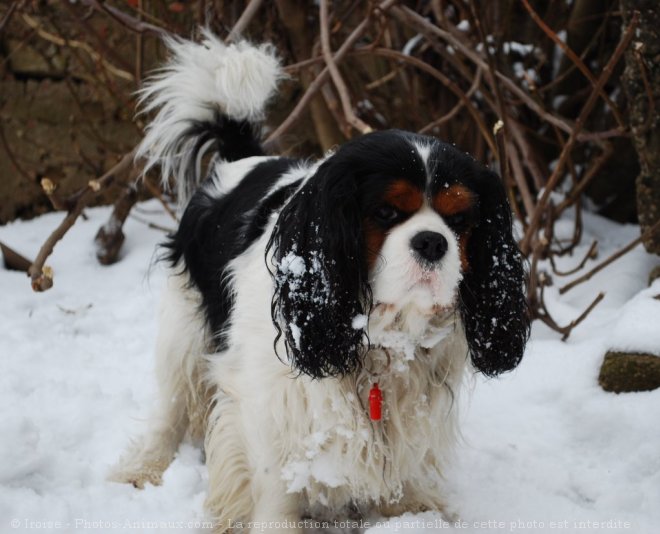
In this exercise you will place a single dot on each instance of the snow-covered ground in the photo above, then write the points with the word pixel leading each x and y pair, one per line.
pixel 545 449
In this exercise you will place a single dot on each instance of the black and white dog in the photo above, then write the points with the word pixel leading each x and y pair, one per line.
pixel 319 316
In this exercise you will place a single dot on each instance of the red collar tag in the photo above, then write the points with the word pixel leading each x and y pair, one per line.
pixel 375 402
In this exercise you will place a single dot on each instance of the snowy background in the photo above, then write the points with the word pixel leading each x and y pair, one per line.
pixel 545 449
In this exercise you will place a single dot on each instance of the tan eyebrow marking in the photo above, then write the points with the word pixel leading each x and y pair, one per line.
pixel 454 199
pixel 404 196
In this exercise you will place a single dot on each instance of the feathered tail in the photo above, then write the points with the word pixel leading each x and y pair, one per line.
pixel 209 95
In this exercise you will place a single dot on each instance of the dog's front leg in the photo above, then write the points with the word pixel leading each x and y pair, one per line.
pixel 275 510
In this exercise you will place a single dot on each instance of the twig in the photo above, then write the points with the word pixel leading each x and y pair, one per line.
pixel 337 79
pixel 569 327
pixel 505 142
pixel 593 171
pixel 419 23
pixel 459 105
pixel 102 42
pixel 447 82
pixel 322 78
pixel 244 20
pixel 139 48
pixel 34 24
pixel 575 59
pixel 126 20
pixel 572 138
pixel 544 315
pixel 610 259
pixel 9 13
pixel 156 192
pixel 522 141
pixel 110 236
pixel 591 254
pixel 382 80
pixel 152 225
pixel 40 274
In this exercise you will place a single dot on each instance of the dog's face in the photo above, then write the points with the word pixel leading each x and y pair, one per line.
pixel 415 234
pixel 397 220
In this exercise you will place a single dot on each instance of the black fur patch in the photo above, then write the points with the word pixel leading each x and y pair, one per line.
pixel 233 139
pixel 214 231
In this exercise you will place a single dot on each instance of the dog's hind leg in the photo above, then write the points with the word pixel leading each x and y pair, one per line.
pixel 180 348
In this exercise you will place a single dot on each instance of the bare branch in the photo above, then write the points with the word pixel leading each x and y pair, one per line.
pixel 322 78
pixel 586 110
pixel 42 275
pixel 337 79
pixel 612 258
pixel 244 20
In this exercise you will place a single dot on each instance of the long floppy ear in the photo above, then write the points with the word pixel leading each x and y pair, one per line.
pixel 320 273
pixel 493 304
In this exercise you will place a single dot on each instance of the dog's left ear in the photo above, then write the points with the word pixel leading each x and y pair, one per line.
pixel 322 296
pixel 494 308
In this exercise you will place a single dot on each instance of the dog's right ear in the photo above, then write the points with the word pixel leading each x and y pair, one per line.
pixel 321 277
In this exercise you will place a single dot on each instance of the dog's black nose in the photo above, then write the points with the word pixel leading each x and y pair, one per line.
pixel 429 245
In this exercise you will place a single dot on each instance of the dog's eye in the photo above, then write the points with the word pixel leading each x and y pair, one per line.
pixel 386 214
pixel 458 221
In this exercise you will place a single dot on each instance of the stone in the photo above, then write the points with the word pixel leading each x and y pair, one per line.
pixel 623 372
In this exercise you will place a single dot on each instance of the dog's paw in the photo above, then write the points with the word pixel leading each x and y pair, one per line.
pixel 140 475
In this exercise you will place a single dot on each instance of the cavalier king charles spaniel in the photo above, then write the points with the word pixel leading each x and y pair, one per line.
pixel 319 316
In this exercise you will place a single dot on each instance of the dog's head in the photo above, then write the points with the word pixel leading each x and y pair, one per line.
pixel 397 219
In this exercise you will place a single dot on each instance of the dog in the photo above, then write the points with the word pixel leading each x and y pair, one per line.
pixel 319 316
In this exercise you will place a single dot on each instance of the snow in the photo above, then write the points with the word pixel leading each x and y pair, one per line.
pixel 411 44
pixel 294 264
pixel 518 48
pixel 633 331
pixel 544 448
pixel 463 26
pixel 359 322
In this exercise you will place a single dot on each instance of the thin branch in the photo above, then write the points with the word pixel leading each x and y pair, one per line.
pixel 610 259
pixel 569 328
pixel 572 138
pixel 459 105
pixel 593 171
pixel 40 274
pixel 503 146
pixel 590 255
pixel 156 192
pixel 544 315
pixel 419 23
pixel 576 60
pixel 34 24
pixel 337 79
pixel 110 237
pixel 16 4
pixel 447 82
pixel 322 78
pixel 139 48
pixel 125 19
pixel 244 20
pixel 152 225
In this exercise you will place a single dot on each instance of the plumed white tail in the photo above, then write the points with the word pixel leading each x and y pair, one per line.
pixel 202 84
